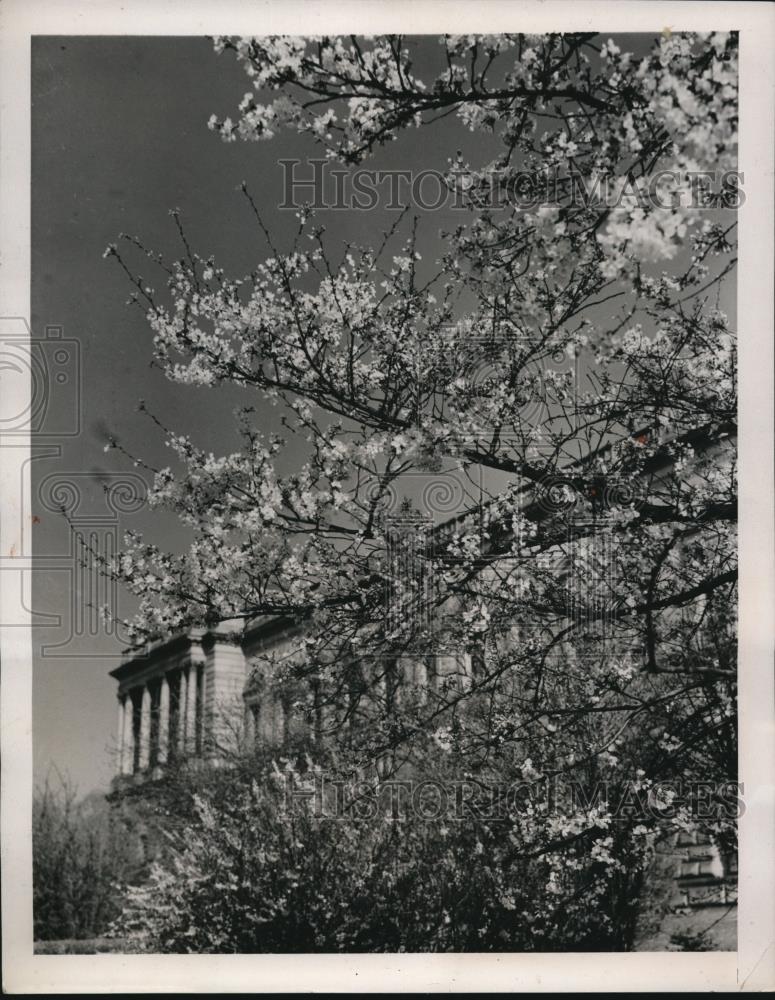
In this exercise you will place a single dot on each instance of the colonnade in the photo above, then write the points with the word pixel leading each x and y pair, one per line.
pixel 161 719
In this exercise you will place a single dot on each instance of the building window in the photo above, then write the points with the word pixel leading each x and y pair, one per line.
pixel 477 654
pixel 254 710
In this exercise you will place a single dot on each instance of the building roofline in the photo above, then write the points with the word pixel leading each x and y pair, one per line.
pixel 161 648
pixel 153 651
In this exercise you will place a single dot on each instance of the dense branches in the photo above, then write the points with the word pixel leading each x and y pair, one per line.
pixel 564 366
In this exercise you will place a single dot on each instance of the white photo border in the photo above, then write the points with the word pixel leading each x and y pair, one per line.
pixel 752 968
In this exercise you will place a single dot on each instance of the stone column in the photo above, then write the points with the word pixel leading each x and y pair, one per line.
pixel 250 727
pixel 189 727
pixel 183 712
pixel 394 670
pixel 419 679
pixel 145 728
pixel 180 732
pixel 164 720
pixel 318 715
pixel 378 683
pixel 129 735
pixel 200 689
pixel 121 735
pixel 270 718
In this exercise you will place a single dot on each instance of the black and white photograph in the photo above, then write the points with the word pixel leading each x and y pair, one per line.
pixel 370 441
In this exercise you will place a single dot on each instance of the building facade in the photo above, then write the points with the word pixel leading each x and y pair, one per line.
pixel 186 697
pixel 179 697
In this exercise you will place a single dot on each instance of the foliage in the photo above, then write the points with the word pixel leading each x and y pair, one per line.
pixel 80 856
pixel 263 868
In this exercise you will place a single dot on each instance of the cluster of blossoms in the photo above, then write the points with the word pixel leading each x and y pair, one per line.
pixel 671 114
pixel 360 76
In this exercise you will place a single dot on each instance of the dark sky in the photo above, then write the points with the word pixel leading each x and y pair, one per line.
pixel 119 138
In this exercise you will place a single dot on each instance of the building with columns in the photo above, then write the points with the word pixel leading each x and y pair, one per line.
pixel 181 696
pixel 203 693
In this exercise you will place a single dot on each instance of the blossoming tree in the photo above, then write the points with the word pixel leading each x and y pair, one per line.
pixel 571 350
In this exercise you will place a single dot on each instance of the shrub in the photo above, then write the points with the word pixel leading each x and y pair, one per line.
pixel 257 870
pixel 80 853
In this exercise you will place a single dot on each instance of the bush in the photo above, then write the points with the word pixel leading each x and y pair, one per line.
pixel 257 870
pixel 80 854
